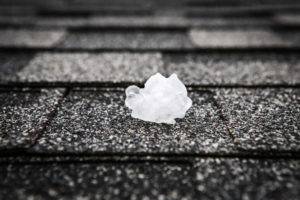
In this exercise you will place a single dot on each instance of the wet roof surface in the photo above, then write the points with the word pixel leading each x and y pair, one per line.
pixel 65 132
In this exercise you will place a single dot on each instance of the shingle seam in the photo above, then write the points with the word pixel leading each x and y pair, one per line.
pixel 61 39
pixel 224 119
pixel 50 117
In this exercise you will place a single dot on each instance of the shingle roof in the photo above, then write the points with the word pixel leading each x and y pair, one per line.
pixel 65 132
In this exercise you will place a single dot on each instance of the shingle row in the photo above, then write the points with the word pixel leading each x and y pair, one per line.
pixel 205 179
pixel 87 67
pixel 140 39
pixel 248 68
pixel 212 8
pixel 30 38
pixel 160 21
pixel 221 121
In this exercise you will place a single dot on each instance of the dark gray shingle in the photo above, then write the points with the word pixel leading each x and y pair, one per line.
pixel 30 38
pixel 91 67
pixel 11 64
pixel 23 115
pixel 243 38
pixel 97 181
pixel 262 119
pixel 98 121
pixel 206 179
pixel 134 39
pixel 235 68
pixel 235 179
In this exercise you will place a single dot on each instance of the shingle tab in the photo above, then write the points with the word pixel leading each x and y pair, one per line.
pixel 11 64
pixel 120 39
pixel 23 114
pixel 97 181
pixel 98 121
pixel 234 179
pixel 13 10
pixel 288 19
pixel 235 68
pixel 98 21
pixel 206 179
pixel 243 38
pixel 262 119
pixel 91 67
pixel 30 38
pixel 146 21
pixel 129 21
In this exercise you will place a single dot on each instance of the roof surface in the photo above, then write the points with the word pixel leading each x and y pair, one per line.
pixel 65 132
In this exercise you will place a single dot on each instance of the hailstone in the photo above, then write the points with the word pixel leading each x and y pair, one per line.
pixel 161 101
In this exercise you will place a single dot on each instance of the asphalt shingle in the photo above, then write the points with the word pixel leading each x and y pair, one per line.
pixel 206 179
pixel 96 181
pixel 288 19
pixel 239 60
pixel 235 68
pixel 30 38
pixel 14 10
pixel 193 68
pixel 94 10
pixel 262 119
pixel 241 11
pixel 244 38
pixel 132 39
pixel 98 121
pixel 24 114
pixel 235 179
pixel 11 64
pixel 160 21
pixel 143 22
pixel 91 67
pixel 98 21
pixel 148 39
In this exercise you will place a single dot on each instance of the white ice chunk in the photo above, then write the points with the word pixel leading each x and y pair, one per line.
pixel 161 101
